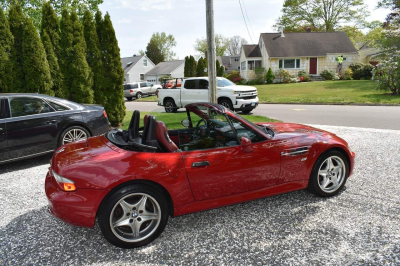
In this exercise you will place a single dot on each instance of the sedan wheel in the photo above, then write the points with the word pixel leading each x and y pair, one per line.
pixel 73 134
pixel 138 95
pixel 133 216
pixel 329 174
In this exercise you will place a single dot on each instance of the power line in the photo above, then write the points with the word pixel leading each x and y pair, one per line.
pixel 245 22
pixel 251 27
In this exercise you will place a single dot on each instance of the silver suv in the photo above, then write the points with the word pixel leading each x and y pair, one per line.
pixel 139 89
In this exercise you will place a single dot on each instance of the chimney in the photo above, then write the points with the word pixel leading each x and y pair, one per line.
pixel 308 29
pixel 282 35
pixel 134 55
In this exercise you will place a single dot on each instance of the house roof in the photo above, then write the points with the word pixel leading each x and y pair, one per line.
pixel 252 50
pixel 307 44
pixel 165 68
pixel 224 60
pixel 129 62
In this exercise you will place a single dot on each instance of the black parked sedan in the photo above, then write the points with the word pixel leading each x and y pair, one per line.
pixel 35 124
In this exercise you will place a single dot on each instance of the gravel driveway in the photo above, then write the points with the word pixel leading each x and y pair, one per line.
pixel 360 226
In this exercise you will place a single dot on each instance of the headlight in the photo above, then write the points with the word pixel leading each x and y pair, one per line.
pixel 65 183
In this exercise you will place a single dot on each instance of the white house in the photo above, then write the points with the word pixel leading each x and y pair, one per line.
pixel 312 52
pixel 136 67
pixel 172 68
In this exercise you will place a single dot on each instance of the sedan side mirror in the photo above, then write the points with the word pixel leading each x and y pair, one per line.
pixel 245 143
pixel 185 123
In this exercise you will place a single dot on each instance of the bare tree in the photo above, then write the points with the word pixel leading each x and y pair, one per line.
pixel 235 44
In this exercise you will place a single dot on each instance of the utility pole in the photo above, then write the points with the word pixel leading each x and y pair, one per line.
pixel 212 77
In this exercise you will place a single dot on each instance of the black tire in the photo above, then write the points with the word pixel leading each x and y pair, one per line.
pixel 246 112
pixel 226 103
pixel 129 98
pixel 110 208
pixel 139 95
pixel 316 179
pixel 69 129
pixel 170 106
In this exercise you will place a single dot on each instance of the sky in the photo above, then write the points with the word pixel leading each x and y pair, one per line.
pixel 136 20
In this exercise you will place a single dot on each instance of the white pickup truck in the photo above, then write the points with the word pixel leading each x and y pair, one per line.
pixel 192 90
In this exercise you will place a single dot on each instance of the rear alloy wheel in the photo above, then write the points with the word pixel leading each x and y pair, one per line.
pixel 134 216
pixel 170 106
pixel 226 103
pixel 139 95
pixel 72 134
pixel 329 174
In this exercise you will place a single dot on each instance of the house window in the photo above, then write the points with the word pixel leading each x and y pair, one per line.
pixel 238 67
pixel 145 62
pixel 141 76
pixel 236 59
pixel 243 65
pixel 289 63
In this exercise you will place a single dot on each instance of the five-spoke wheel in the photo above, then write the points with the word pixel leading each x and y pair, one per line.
pixel 134 216
pixel 329 174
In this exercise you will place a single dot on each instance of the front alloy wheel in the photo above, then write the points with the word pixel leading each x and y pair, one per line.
pixel 133 216
pixel 329 174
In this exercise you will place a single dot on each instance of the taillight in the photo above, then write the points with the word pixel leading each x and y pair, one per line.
pixel 131 90
pixel 105 113
pixel 65 183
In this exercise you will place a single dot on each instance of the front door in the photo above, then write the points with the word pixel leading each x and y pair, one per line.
pixel 195 90
pixel 313 66
pixel 223 168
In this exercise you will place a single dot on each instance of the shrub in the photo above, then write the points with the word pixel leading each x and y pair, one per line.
pixel 234 74
pixel 387 74
pixel 306 78
pixel 303 76
pixel 167 77
pixel 236 80
pixel 270 76
pixel 282 76
pixel 259 75
pixel 329 75
pixel 294 80
pixel 361 71
pixel 348 74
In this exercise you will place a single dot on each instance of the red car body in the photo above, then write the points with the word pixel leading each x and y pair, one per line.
pixel 98 167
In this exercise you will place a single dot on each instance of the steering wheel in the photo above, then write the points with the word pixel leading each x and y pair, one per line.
pixel 199 130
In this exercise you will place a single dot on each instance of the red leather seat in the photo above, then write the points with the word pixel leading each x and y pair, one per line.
pixel 163 138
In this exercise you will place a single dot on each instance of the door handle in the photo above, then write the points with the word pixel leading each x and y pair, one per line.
pixel 51 121
pixel 200 164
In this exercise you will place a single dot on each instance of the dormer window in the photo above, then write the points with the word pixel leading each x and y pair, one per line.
pixel 145 62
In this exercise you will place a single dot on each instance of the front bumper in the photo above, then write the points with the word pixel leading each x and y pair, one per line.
pixel 352 161
pixel 78 207
pixel 243 105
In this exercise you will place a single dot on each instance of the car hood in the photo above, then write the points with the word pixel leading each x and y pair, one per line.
pixel 239 88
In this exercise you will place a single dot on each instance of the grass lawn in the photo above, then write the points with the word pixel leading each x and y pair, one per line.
pixel 328 92
pixel 173 120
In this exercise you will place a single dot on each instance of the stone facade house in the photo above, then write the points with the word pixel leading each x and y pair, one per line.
pixel 312 52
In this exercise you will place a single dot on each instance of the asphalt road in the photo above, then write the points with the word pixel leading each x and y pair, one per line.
pixel 382 117
pixel 360 226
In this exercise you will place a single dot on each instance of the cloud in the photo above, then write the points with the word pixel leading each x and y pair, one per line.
pixel 147 4
pixel 124 21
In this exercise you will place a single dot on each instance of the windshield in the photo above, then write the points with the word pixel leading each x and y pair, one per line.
pixel 223 82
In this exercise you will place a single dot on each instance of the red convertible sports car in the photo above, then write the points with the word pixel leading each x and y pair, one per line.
pixel 133 180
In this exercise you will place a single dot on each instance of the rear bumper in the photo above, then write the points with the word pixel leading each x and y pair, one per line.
pixel 77 208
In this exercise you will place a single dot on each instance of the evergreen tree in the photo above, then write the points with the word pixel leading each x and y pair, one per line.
pixel 221 71
pixel 36 69
pixel 193 67
pixel 74 67
pixel 187 70
pixel 16 21
pixel 154 53
pixel 94 57
pixel 217 67
pixel 50 35
pixel 200 67
pixel 113 72
pixel 6 46
pixel 99 25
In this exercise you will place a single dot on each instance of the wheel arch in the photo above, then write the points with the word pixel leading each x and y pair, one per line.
pixel 224 98
pixel 339 149
pixel 152 184
pixel 73 124
pixel 168 98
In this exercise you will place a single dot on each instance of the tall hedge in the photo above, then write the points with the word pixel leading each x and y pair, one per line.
pixel 201 65
pixel 6 46
pixel 50 35
pixel 186 70
pixel 74 67
pixel 35 66
pixel 113 72
pixel 16 20
pixel 94 57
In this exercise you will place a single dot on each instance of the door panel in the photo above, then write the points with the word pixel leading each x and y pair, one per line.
pixel 313 66
pixel 144 88
pixel 226 171
pixel 3 140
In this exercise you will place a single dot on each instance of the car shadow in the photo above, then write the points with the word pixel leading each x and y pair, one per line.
pixel 25 164
pixel 37 237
